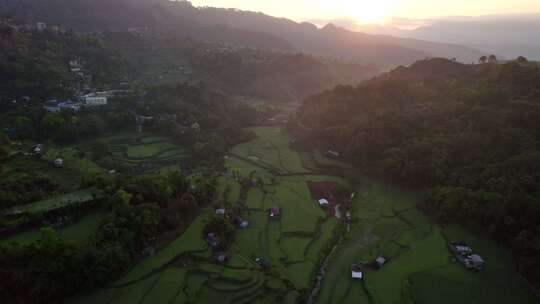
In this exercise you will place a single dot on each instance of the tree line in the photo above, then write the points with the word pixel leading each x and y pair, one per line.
pixel 142 210
pixel 468 133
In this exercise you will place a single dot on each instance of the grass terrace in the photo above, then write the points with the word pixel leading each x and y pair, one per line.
pixel 385 222
pixel 76 233
pixel 59 202
pixel 292 244
pixel 420 267
pixel 146 153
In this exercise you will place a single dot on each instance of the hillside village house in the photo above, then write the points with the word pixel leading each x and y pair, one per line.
pixel 94 99
pixel 196 127
pixel 324 202
pixel 141 120
pixel 243 224
pixel 74 63
pixel 332 153
pixel 38 149
pixel 356 272
pixel 464 254
pixel 213 240
pixel 275 213
pixel 380 261
pixel 58 162
pixel 54 106
pixel 40 26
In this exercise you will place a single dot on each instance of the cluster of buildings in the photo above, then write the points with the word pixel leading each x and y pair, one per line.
pixel 81 84
pixel 464 254
pixel 30 27
pixel 214 240
pixel 95 99
pixel 38 150
pixel 357 269
pixel 54 106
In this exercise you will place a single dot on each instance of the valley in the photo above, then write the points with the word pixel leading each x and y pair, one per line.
pixel 157 151
pixel 384 222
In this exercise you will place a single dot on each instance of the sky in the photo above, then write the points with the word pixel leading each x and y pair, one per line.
pixel 377 11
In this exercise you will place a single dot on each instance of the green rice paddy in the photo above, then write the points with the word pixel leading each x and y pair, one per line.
pixel 420 267
pixel 145 152
pixel 60 201
pixel 385 222
pixel 76 233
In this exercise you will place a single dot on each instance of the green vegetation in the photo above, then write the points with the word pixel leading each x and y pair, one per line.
pixel 145 153
pixel 468 133
pixel 61 201
pixel 77 233
pixel 290 247
pixel 420 267
pixel 271 150
pixel 97 249
pixel 101 214
pixel 385 222
pixel 35 64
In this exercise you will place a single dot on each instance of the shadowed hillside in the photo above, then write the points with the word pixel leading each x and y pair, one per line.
pixel 182 20
pixel 467 132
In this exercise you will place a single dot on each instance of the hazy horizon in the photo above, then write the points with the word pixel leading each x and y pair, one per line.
pixel 388 12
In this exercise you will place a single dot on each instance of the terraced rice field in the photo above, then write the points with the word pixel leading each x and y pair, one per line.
pixel 292 244
pixel 420 267
pixel 59 201
pixel 271 149
pixel 385 222
pixel 76 233
pixel 146 153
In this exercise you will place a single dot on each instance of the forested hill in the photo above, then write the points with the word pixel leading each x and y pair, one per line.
pixel 259 73
pixel 181 19
pixel 470 133
pixel 36 64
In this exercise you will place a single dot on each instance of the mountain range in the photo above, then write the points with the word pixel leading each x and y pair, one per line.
pixel 180 19
pixel 507 36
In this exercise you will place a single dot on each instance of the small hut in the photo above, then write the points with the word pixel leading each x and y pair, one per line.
pixel 213 240
pixel 357 273
pixel 58 163
pixel 275 213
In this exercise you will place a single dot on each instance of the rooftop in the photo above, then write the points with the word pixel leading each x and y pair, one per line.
pixel 357 275
pixel 324 202
pixel 275 212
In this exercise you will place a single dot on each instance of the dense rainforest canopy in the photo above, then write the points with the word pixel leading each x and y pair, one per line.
pixel 470 133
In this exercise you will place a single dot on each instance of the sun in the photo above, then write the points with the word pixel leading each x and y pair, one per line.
pixel 369 11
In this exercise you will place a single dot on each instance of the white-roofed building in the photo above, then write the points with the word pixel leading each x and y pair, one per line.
pixel 324 202
pixel 380 261
pixel 58 162
pixel 357 272
pixel 94 99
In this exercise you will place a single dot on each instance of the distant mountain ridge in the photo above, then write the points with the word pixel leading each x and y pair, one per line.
pixel 506 36
pixel 183 20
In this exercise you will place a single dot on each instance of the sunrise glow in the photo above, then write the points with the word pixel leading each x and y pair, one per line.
pixel 366 11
